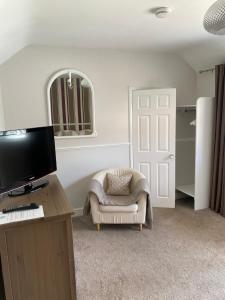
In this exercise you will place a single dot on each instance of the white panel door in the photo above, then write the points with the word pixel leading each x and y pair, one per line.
pixel 153 141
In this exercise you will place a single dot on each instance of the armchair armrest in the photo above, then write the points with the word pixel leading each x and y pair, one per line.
pixel 141 202
pixel 94 200
pixel 135 178
pixel 95 211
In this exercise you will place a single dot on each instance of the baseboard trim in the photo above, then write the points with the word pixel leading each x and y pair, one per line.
pixel 78 212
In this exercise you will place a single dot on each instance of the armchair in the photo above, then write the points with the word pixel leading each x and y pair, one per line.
pixel 134 213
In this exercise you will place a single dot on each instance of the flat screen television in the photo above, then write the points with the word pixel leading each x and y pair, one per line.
pixel 26 155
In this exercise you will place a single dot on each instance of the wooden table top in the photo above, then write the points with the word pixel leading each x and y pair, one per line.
pixel 52 197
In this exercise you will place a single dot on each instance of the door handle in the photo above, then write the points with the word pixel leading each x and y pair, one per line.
pixel 171 156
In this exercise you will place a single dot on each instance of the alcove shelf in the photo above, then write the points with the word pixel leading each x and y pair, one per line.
pixel 188 189
pixel 194 150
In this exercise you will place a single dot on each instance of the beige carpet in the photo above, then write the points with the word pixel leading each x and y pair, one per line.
pixel 183 257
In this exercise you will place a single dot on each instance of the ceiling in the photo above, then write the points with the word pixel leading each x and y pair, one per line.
pixel 118 24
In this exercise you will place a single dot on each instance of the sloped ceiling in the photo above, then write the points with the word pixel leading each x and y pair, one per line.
pixel 205 54
pixel 16 25
pixel 120 24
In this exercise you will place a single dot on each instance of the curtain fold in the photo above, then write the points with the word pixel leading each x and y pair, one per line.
pixel 217 199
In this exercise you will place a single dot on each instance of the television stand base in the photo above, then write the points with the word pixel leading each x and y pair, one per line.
pixel 29 188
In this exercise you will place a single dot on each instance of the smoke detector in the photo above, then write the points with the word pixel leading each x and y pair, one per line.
pixel 162 12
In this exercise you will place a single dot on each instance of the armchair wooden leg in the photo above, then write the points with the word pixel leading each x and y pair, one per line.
pixel 140 227
pixel 98 227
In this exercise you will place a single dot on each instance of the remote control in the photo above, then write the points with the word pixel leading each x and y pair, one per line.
pixel 21 207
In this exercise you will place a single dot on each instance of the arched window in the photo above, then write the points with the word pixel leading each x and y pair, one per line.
pixel 71 104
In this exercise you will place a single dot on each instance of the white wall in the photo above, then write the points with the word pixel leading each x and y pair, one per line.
pixel 2 120
pixel 206 84
pixel 24 79
pixel 77 166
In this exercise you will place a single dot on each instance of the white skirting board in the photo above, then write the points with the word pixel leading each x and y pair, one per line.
pixel 187 189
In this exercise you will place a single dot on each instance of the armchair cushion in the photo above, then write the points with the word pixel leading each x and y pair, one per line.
pixel 118 185
pixel 127 208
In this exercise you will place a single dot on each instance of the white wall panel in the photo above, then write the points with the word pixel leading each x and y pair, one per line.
pixel 162 133
pixel 163 101
pixel 144 123
pixel 205 115
pixel 163 180
pixel 144 102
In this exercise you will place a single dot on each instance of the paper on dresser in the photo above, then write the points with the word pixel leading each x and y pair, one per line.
pixel 22 215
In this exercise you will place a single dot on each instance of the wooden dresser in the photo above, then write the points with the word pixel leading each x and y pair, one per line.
pixel 37 259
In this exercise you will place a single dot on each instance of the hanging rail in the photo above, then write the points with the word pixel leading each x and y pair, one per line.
pixel 207 70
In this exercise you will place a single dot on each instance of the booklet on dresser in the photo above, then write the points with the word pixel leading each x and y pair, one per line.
pixel 22 215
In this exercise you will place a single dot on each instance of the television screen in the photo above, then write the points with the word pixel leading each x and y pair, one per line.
pixel 25 156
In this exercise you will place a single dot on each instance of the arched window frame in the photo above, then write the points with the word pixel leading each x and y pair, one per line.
pixel 76 72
